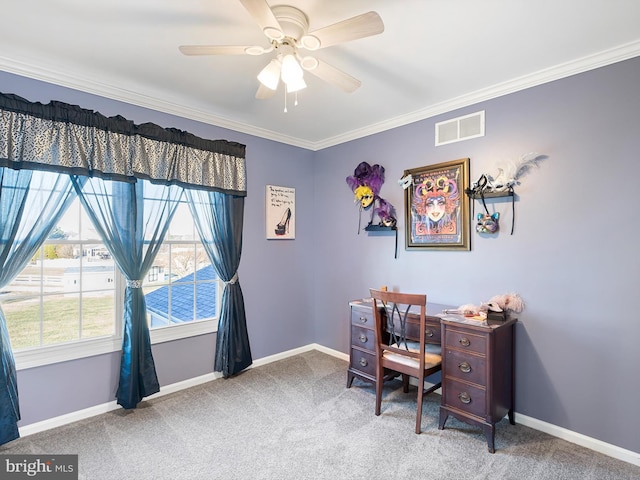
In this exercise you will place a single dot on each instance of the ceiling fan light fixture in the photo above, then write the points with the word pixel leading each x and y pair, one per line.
pixel 291 69
pixel 269 76
pixel 296 85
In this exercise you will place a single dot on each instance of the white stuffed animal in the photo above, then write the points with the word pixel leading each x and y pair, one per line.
pixel 507 302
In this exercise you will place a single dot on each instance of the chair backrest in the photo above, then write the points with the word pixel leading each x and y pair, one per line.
pixel 394 331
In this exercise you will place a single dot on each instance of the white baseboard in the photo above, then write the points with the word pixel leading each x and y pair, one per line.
pixel 553 430
pixel 608 449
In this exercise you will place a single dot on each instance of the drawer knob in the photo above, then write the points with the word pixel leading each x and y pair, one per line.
pixel 363 362
pixel 464 397
pixel 429 332
pixel 363 319
pixel 464 367
pixel 363 338
pixel 464 341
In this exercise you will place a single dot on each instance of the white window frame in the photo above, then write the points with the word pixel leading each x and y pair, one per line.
pixel 84 348
pixel 63 352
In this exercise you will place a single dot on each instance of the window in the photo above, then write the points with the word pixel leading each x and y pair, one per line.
pixel 67 302
pixel 67 292
pixel 181 286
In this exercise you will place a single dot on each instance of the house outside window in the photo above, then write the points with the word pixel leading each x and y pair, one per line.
pixel 182 285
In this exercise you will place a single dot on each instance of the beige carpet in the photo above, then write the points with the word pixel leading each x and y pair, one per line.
pixel 294 419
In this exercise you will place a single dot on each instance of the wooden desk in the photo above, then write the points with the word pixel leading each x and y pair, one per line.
pixel 477 364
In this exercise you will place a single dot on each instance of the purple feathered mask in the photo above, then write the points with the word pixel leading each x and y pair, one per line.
pixel 366 183
pixel 367 176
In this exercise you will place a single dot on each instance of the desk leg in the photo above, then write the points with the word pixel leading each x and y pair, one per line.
pixel 512 419
pixel 490 433
pixel 443 418
pixel 349 379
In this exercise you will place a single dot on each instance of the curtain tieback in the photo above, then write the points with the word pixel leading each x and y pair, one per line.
pixel 233 280
pixel 134 283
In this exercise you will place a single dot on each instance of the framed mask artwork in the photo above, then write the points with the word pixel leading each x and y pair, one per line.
pixel 436 206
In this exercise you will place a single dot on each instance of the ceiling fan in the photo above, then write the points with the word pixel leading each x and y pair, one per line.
pixel 287 27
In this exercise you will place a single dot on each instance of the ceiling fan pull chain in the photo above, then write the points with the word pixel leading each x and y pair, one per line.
pixel 285 99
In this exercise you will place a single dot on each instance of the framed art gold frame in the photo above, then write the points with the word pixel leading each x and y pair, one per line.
pixel 437 208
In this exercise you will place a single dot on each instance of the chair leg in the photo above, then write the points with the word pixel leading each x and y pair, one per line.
pixel 405 382
pixel 420 398
pixel 379 383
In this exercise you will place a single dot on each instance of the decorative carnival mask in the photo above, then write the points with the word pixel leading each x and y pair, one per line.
pixel 487 223
pixel 365 183
pixel 364 195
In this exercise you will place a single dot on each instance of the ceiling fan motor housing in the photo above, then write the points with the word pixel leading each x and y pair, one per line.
pixel 294 22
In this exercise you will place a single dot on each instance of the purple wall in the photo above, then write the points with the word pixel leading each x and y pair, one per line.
pixel 572 256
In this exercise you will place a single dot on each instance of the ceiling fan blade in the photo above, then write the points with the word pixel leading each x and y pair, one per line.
pixel 361 26
pixel 264 93
pixel 335 77
pixel 262 14
pixel 216 49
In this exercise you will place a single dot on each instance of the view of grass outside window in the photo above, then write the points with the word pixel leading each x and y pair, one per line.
pixel 72 290
pixel 67 292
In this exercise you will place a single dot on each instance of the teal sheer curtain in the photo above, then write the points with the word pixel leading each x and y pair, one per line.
pixel 31 203
pixel 67 139
pixel 132 220
pixel 219 221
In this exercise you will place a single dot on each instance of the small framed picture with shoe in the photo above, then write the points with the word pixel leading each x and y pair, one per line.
pixel 280 215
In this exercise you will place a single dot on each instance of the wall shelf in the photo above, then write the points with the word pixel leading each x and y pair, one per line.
pixel 474 195
pixel 379 228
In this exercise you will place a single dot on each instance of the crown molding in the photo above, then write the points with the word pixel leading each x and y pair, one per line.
pixel 574 67
pixel 86 85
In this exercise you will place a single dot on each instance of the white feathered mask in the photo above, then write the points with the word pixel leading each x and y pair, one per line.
pixel 510 174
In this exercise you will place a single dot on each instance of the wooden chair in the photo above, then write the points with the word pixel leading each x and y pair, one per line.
pixel 396 349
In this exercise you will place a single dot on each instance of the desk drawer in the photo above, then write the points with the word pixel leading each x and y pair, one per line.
pixel 465 340
pixel 432 330
pixel 363 338
pixel 465 397
pixel 363 361
pixel 363 317
pixel 465 366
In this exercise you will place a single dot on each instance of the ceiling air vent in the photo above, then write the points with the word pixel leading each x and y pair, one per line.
pixel 461 128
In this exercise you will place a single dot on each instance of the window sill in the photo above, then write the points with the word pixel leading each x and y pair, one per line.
pixel 176 332
pixel 37 357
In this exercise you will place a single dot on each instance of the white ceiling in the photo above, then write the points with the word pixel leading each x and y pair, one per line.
pixel 434 55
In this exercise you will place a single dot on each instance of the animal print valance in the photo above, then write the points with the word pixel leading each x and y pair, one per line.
pixel 65 137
